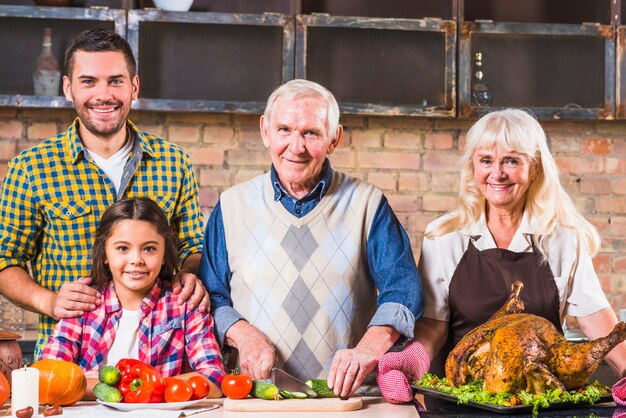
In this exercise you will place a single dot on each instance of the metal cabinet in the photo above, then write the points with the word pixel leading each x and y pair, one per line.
pixel 210 62
pixel 395 57
pixel 381 66
pixel 553 57
pixel 562 71
pixel 21 32
pixel 562 59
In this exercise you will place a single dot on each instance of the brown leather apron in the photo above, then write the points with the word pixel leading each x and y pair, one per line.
pixel 481 284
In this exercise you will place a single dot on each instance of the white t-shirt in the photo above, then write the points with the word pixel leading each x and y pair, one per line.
pixel 580 293
pixel 113 166
pixel 126 342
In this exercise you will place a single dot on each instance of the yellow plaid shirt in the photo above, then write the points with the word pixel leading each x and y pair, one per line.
pixel 53 196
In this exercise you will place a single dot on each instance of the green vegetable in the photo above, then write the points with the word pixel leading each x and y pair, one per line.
pixel 109 375
pixel 292 395
pixel 107 393
pixel 264 390
pixel 474 392
pixel 320 387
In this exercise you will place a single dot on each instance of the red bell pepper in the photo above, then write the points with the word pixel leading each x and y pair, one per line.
pixel 140 382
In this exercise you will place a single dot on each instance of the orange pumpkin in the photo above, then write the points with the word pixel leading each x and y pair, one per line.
pixel 60 382
pixel 5 389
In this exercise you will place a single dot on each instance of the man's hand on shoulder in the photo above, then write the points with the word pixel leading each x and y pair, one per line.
pixel 74 299
pixel 190 289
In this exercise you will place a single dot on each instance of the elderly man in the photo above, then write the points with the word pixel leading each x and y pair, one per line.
pixel 293 258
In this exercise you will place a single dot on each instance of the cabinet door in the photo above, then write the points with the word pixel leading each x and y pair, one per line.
pixel 210 62
pixel 559 71
pixel 380 66
pixel 21 33
pixel 621 72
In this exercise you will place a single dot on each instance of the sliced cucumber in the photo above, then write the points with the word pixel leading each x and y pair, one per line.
pixel 321 388
pixel 292 395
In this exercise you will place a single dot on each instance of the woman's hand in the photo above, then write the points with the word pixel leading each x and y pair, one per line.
pixel 397 370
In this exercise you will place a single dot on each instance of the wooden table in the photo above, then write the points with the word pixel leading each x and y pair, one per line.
pixel 373 407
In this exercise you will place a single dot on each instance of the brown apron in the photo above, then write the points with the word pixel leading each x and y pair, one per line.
pixel 481 284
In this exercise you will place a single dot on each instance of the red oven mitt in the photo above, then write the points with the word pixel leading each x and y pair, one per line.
pixel 619 392
pixel 397 370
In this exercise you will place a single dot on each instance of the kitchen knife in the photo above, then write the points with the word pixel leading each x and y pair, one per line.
pixel 285 381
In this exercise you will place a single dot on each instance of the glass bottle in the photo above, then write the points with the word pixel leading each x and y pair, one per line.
pixel 47 73
pixel 480 90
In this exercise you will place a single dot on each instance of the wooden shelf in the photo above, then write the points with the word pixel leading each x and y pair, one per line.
pixel 26 24
pixel 381 66
pixel 557 71
pixel 287 7
pixel 621 73
pixel 561 59
pixel 210 61
pixel 400 9
pixel 538 11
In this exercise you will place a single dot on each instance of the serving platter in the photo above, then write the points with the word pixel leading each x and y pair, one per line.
pixel 169 406
pixel 517 409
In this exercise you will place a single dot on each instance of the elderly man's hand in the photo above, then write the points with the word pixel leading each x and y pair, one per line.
pixel 190 289
pixel 74 299
pixel 257 354
pixel 349 368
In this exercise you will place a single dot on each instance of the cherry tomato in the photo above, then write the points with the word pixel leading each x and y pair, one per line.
pixel 177 390
pixel 200 387
pixel 236 385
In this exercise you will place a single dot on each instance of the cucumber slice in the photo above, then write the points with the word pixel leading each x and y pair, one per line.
pixel 292 395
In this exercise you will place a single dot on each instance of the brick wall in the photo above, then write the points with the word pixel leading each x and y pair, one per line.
pixel 413 160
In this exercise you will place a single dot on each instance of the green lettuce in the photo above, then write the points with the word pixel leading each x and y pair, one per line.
pixel 473 392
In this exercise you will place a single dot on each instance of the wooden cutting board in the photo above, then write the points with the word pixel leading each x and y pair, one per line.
pixel 299 405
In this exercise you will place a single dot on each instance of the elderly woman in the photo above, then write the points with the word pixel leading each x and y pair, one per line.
pixel 514 222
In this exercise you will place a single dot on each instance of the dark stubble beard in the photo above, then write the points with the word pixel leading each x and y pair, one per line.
pixel 86 120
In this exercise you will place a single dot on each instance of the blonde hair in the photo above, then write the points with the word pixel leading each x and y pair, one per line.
pixel 304 88
pixel 546 199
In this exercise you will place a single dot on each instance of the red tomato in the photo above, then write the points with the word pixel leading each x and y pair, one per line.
pixel 200 387
pixel 177 390
pixel 236 386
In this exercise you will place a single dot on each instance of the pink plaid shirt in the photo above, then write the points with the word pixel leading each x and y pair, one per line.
pixel 167 332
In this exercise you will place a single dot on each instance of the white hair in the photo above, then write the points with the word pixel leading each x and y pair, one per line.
pixel 304 88
pixel 546 199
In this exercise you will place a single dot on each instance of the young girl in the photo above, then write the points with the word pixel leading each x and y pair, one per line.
pixel 134 257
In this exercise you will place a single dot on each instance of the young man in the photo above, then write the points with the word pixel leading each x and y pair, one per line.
pixel 54 193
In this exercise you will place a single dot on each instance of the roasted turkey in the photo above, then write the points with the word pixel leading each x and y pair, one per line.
pixel 516 351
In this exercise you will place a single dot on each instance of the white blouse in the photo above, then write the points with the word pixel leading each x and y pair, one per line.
pixel 579 289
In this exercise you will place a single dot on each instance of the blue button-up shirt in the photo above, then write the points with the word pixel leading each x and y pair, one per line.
pixel 389 255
